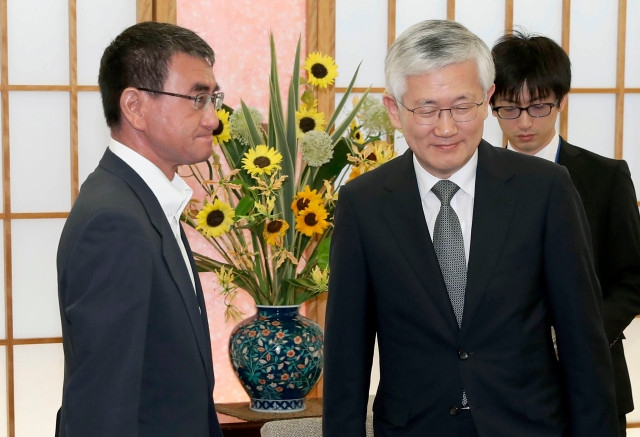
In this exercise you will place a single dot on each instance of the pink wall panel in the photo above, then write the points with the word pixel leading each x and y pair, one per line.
pixel 238 31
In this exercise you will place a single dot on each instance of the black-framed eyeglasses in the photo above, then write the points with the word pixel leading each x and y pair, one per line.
pixel 431 114
pixel 200 101
pixel 536 110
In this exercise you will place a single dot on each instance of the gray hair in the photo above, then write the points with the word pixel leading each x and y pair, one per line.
pixel 431 45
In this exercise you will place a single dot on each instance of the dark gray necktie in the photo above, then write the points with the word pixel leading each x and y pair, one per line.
pixel 449 246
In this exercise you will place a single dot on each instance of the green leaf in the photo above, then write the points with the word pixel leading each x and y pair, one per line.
pixel 245 205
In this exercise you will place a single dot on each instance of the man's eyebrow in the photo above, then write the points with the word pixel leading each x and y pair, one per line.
pixel 199 86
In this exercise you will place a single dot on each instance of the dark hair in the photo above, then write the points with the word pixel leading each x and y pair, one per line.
pixel 140 57
pixel 537 60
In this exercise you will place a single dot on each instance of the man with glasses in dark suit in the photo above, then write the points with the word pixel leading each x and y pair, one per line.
pixel 533 79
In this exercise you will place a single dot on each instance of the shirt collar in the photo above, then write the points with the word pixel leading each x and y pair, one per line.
pixel 465 178
pixel 548 152
pixel 173 195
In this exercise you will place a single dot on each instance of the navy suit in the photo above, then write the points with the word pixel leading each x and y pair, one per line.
pixel 530 267
pixel 135 334
pixel 610 203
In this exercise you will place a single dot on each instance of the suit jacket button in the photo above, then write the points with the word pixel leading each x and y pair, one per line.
pixel 454 411
pixel 463 355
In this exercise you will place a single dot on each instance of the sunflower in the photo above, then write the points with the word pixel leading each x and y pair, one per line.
pixel 312 220
pixel 274 231
pixel 308 119
pixel 222 133
pixel 356 133
pixel 302 200
pixel 261 160
pixel 322 70
pixel 215 219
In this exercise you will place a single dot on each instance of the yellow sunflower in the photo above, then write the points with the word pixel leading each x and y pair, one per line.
pixel 312 220
pixel 261 160
pixel 321 69
pixel 215 219
pixel 356 133
pixel 304 198
pixel 308 119
pixel 274 231
pixel 222 133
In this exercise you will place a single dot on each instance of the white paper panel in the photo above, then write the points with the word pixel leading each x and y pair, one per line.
pixel 38 388
pixel 3 333
pixel 3 391
pixel 475 15
pixel 543 17
pixel 40 143
pixel 631 141
pixel 632 353
pixel 34 244
pixel 632 58
pixel 93 133
pixel 409 12
pixel 592 122
pixel 492 131
pixel 38 42
pixel 1 166
pixel 361 35
pixel 99 24
pixel 593 43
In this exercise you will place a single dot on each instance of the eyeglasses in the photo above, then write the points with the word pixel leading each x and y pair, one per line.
pixel 200 101
pixel 512 112
pixel 431 114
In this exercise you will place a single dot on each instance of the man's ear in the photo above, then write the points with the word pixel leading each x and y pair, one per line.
pixel 393 109
pixel 132 106
pixel 563 102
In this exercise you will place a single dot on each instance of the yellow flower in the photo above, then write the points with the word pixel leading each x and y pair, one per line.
pixel 308 119
pixel 356 171
pixel 320 277
pixel 322 70
pixel 261 160
pixel 312 220
pixel 356 133
pixel 215 219
pixel 274 231
pixel 222 133
pixel 302 200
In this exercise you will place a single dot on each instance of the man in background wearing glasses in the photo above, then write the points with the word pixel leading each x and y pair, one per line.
pixel 134 322
pixel 459 256
pixel 533 79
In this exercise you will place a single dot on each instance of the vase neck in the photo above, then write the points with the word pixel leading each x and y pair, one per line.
pixel 278 310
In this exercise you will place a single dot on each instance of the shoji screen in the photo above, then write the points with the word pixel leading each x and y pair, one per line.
pixel 602 38
pixel 53 133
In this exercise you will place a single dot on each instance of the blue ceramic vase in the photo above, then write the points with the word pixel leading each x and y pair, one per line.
pixel 278 356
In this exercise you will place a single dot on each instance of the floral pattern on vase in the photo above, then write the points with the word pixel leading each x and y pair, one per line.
pixel 278 356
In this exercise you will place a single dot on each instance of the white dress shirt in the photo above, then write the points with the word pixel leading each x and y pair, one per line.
pixel 461 202
pixel 548 152
pixel 173 195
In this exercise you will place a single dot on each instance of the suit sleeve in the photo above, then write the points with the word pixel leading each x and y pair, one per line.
pixel 575 301
pixel 349 329
pixel 620 259
pixel 105 289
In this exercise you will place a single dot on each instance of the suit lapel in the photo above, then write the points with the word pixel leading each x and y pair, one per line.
pixel 170 252
pixel 494 205
pixel 406 222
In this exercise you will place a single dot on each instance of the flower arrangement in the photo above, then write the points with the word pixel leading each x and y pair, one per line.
pixel 270 190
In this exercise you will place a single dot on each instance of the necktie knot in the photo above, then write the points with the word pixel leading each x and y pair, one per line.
pixel 445 190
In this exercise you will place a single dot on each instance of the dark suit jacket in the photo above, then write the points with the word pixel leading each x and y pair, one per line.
pixel 530 266
pixel 135 335
pixel 610 203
